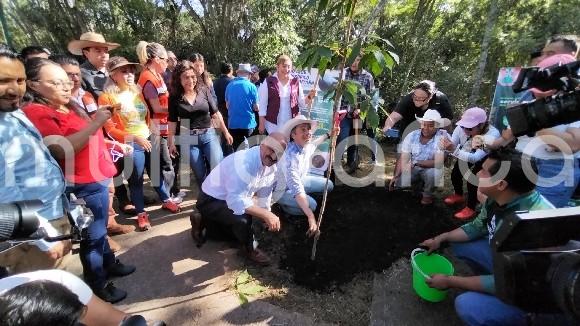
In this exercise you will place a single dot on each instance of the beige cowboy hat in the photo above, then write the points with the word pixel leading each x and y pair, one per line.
pixel 297 120
pixel 87 40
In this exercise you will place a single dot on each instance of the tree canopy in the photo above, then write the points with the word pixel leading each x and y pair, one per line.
pixel 441 40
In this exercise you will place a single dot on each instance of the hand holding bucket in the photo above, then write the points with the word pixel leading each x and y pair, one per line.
pixel 425 265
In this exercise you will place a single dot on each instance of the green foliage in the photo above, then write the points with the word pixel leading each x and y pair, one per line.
pixel 412 40
pixel 246 286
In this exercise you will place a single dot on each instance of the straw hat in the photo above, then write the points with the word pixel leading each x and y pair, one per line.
pixel 90 39
pixel 433 115
pixel 118 62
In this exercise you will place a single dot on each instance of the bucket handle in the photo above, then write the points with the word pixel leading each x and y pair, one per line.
pixel 414 253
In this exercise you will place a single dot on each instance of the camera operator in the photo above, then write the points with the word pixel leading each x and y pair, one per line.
pixel 514 192
pixel 55 297
pixel 556 150
pixel 28 172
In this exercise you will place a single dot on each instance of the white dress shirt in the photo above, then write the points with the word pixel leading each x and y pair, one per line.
pixel 238 177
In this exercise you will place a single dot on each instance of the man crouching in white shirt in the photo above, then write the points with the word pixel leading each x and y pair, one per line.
pixel 226 196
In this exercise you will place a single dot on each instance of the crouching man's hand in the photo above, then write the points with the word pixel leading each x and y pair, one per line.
pixel 438 281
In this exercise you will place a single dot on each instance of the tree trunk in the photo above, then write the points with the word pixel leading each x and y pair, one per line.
pixel 491 19
pixel 422 21
pixel 368 27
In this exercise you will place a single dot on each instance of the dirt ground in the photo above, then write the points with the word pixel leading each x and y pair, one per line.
pixel 364 231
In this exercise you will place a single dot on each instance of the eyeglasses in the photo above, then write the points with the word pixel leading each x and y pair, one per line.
pixel 73 74
pixel 419 99
pixel 57 83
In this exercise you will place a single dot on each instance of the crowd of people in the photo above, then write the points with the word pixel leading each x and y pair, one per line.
pixel 86 129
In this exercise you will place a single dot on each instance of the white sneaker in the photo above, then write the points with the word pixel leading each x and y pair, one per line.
pixel 177 199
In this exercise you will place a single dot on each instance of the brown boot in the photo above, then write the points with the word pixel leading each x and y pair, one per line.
pixel 115 228
pixel 258 257
pixel 113 245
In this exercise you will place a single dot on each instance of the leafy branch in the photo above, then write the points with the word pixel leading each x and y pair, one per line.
pixel 246 286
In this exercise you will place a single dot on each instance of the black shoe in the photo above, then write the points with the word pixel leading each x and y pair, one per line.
pixel 149 199
pixel 197 230
pixel 349 169
pixel 110 293
pixel 119 269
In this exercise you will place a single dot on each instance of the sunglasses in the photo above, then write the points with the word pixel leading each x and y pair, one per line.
pixel 419 99
pixel 466 129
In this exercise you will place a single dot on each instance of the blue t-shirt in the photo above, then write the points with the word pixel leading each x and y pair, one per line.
pixel 241 96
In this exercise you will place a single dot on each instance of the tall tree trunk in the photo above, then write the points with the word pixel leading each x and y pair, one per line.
pixel 422 21
pixel 368 27
pixel 491 19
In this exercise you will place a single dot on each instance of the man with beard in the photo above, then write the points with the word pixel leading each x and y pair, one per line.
pixel 28 172
pixel 226 197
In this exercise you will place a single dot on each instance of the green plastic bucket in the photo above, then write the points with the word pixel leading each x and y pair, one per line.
pixel 425 265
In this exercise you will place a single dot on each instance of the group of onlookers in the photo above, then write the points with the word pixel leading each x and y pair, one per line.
pixel 504 173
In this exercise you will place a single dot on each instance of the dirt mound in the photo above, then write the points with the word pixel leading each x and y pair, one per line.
pixel 364 229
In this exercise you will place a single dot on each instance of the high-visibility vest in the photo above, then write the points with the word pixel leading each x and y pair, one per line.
pixel 159 119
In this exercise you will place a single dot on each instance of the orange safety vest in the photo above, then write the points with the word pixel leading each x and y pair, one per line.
pixel 159 119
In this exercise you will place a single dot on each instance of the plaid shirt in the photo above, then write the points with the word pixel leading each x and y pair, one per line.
pixel 365 79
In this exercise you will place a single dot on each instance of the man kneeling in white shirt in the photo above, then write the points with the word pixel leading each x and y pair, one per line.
pixel 226 196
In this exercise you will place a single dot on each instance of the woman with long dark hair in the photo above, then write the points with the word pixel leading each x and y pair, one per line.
pixel 191 106
pixel 77 142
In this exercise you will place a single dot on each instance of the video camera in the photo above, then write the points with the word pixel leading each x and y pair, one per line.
pixel 564 107
pixel 536 261
pixel 19 223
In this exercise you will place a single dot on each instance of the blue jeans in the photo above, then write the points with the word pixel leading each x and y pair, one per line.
pixel 312 185
pixel 345 131
pixel 95 253
pixel 476 308
pixel 205 150
pixel 476 253
pixel 141 160
pixel 566 177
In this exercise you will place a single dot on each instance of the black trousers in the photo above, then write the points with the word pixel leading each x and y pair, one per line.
pixel 457 181
pixel 215 212
pixel 239 136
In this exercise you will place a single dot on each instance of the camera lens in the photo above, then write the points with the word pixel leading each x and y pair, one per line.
pixel 565 280
pixel 18 219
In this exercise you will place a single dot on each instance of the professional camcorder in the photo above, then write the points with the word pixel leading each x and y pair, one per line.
pixel 536 261
pixel 564 107
pixel 19 223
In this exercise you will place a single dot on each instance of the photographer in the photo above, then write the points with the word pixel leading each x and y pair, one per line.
pixel 28 172
pixel 471 242
pixel 554 150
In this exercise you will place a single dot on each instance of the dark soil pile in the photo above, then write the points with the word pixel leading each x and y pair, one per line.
pixel 364 229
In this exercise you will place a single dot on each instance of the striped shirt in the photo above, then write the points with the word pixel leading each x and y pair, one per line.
pixel 295 165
